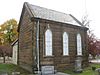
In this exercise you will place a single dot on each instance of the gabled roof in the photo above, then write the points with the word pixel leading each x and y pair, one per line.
pixel 44 13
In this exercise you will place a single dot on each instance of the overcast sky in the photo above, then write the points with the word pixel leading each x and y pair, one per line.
pixel 12 9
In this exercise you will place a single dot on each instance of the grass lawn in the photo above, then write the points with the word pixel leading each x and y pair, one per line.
pixel 9 68
pixel 86 71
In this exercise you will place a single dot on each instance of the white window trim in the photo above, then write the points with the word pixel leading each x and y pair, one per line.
pixel 65 44
pixel 79 44
pixel 48 43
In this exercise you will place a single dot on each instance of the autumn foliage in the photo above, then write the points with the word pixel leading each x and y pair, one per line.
pixel 93 45
pixel 5 50
pixel 8 34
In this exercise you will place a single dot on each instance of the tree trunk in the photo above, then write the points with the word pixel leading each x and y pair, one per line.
pixel 4 58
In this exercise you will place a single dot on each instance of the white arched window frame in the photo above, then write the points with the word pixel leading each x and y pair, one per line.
pixel 79 45
pixel 65 44
pixel 48 42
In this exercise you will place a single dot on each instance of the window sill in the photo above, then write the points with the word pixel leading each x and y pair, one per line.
pixel 65 55
pixel 79 55
pixel 48 56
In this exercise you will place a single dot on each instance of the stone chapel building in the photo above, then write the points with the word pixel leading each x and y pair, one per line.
pixel 50 38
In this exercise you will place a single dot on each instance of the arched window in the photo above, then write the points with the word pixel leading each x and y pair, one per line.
pixel 79 45
pixel 48 42
pixel 65 44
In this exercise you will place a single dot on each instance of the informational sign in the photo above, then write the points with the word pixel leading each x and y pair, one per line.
pixel 47 69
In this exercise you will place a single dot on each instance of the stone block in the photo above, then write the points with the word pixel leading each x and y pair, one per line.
pixel 47 70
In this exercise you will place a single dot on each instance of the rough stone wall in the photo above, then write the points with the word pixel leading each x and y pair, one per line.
pixel 25 56
pixel 27 44
pixel 58 60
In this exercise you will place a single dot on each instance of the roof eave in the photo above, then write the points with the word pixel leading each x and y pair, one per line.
pixel 14 42
pixel 36 18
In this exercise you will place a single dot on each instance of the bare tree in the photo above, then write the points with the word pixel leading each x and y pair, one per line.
pixel 86 21
pixel 91 37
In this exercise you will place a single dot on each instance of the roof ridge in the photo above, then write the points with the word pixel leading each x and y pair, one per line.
pixel 28 6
